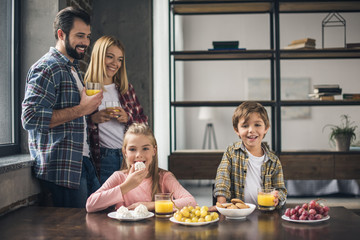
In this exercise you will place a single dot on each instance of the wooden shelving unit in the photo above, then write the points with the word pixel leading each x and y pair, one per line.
pixel 297 165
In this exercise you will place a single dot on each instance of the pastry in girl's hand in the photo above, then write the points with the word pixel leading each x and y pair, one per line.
pixel 139 166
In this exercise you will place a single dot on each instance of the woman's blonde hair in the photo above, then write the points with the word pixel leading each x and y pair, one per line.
pixel 97 69
pixel 143 129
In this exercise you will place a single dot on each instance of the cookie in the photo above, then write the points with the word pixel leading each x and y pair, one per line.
pixel 241 206
pixel 219 205
pixel 236 200
pixel 226 205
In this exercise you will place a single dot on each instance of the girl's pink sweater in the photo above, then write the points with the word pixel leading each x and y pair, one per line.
pixel 110 194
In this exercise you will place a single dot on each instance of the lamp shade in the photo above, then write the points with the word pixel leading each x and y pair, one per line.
pixel 206 113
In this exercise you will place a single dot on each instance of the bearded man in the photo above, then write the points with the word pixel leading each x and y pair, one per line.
pixel 54 111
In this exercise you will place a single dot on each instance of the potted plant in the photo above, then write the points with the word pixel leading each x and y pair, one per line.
pixel 342 135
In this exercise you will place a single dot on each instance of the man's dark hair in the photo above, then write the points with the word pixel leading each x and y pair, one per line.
pixel 64 20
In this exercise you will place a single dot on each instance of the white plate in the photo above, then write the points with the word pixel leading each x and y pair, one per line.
pixel 193 224
pixel 114 216
pixel 286 218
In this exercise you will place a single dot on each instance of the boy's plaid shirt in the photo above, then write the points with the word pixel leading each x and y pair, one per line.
pixel 231 173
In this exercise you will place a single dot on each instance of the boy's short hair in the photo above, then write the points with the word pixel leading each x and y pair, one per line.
pixel 245 109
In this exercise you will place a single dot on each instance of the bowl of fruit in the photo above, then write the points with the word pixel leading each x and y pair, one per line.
pixel 311 212
pixel 194 216
pixel 237 209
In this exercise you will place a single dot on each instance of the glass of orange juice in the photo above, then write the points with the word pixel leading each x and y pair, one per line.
pixel 111 105
pixel 266 199
pixel 92 88
pixel 163 205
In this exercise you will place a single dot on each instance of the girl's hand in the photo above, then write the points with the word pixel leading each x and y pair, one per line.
pixel 133 179
pixel 149 205
pixel 121 115
pixel 101 116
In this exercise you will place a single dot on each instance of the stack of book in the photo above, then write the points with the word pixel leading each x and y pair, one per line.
pixel 306 43
pixel 326 91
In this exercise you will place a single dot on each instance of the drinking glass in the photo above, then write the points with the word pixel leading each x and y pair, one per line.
pixel 111 105
pixel 92 88
pixel 266 199
pixel 163 205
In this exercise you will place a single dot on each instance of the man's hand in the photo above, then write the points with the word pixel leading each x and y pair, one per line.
pixel 88 104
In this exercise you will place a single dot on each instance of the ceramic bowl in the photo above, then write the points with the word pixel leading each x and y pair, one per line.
pixel 237 213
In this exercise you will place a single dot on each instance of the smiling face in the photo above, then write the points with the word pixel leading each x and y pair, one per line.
pixel 113 61
pixel 74 44
pixel 139 149
pixel 252 131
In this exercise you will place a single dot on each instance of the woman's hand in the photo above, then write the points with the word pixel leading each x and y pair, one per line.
pixel 149 205
pixel 101 116
pixel 121 115
pixel 133 179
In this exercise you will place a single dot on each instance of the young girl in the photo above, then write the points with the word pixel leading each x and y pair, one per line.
pixel 130 188
pixel 107 129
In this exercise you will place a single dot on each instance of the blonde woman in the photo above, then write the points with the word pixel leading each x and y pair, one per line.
pixel 107 128
pixel 131 187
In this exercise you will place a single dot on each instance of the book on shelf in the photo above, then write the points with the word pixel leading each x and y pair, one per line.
pixel 221 45
pixel 327 98
pixel 304 40
pixel 300 46
pixel 329 91
pixel 226 49
pixel 322 96
pixel 353 45
pixel 326 86
pixel 351 96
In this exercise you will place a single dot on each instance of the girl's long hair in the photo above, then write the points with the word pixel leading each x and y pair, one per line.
pixel 143 129
pixel 97 69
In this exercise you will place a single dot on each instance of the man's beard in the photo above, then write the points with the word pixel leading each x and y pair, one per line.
pixel 72 51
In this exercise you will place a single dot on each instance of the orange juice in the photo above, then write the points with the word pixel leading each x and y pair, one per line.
pixel 266 200
pixel 91 92
pixel 163 207
pixel 113 109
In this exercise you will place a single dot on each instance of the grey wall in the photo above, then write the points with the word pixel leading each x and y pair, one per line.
pixel 36 37
pixel 131 22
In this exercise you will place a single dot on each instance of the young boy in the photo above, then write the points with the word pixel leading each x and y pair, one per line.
pixel 249 164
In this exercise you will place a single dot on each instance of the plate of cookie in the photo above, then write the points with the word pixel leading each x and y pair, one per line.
pixel 236 209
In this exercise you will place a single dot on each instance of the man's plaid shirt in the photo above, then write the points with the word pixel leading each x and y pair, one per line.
pixel 57 151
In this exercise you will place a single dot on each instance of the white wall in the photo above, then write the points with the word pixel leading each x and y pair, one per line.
pixel 161 80
pixel 227 80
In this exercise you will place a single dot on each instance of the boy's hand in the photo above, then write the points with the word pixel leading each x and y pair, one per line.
pixel 276 199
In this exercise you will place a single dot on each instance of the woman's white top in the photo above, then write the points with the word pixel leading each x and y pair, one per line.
pixel 111 133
